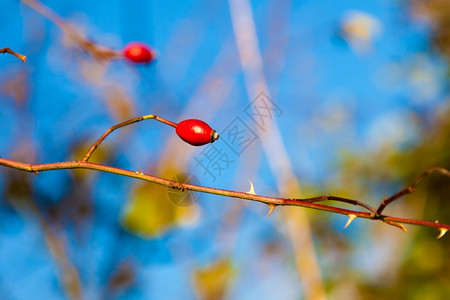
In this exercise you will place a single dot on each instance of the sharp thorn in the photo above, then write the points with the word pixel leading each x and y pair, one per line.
pixel 402 227
pixel 139 171
pixel 252 189
pixel 398 225
pixel 442 232
pixel 271 207
pixel 34 171
pixel 351 217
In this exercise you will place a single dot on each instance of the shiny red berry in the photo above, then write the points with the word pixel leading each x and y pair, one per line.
pixel 196 132
pixel 139 53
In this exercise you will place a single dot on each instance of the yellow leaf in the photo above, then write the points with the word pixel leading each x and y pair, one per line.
pixel 212 281
pixel 149 213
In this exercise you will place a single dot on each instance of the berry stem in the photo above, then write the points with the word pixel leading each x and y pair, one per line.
pixel 162 120
pixel 128 122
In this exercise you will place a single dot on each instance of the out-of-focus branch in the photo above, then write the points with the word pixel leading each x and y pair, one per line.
pixel 18 55
pixel 58 248
pixel 297 222
pixel 94 49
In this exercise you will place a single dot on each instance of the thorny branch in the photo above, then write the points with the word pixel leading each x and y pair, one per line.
pixel 18 55
pixel 272 202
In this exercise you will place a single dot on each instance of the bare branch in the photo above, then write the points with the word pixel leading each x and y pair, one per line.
pixel 18 55
pixel 340 199
pixel 410 189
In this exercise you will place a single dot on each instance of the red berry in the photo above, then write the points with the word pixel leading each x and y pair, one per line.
pixel 139 53
pixel 196 132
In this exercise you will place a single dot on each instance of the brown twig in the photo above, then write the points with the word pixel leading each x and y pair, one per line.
pixel 340 199
pixel 410 189
pixel 131 121
pixel 18 55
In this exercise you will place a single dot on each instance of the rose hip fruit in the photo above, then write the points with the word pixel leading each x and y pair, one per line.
pixel 196 132
pixel 138 53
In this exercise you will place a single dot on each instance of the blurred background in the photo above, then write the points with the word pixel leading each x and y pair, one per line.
pixel 348 98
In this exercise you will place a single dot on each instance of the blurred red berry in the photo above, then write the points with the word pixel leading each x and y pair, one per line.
pixel 196 132
pixel 139 53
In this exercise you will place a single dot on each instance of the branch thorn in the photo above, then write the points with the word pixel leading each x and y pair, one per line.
pixel 34 171
pixel 139 171
pixel 271 207
pixel 443 231
pixel 398 225
pixel 351 217
pixel 252 191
